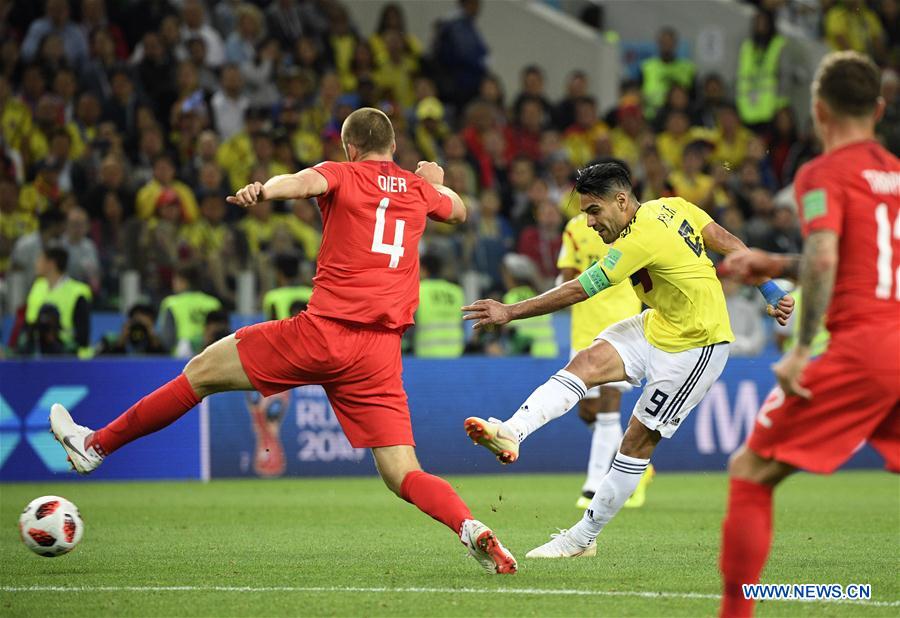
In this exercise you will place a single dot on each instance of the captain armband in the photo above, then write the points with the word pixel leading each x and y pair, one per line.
pixel 594 280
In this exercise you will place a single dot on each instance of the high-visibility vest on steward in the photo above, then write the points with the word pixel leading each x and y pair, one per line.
pixel 439 324
pixel 64 296
pixel 278 301
pixel 536 331
pixel 189 311
pixel 757 81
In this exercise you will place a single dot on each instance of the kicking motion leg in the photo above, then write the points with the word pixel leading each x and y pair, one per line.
pixel 598 364
pixel 747 528
pixel 400 470
pixel 601 414
pixel 619 483
pixel 216 369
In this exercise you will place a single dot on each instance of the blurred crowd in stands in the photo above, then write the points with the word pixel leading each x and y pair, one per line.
pixel 125 125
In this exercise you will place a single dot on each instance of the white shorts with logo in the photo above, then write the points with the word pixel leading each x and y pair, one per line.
pixel 675 381
pixel 594 393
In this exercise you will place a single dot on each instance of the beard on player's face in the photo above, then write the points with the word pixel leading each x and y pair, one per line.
pixel 605 216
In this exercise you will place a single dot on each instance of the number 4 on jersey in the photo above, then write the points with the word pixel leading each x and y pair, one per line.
pixel 378 245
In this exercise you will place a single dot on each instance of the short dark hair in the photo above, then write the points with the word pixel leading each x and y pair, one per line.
pixel 142 309
pixel 59 256
pixel 190 273
pixel 217 316
pixel 288 265
pixel 368 129
pixel 432 264
pixel 50 218
pixel 849 83
pixel 602 179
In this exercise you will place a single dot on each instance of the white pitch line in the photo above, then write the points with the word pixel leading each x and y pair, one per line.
pixel 520 591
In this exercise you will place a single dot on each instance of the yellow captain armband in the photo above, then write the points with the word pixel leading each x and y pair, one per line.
pixel 594 280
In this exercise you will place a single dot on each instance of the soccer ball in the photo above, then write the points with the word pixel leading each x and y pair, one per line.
pixel 51 526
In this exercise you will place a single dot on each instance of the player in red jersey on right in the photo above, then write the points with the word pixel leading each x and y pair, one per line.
pixel 348 340
pixel 823 410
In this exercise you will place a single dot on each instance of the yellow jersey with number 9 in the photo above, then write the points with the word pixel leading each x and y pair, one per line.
pixel 662 253
pixel 581 247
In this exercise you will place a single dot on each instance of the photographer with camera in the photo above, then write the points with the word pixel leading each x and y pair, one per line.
pixel 137 337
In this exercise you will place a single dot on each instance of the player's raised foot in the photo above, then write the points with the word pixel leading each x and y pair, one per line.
pixel 75 440
pixel 485 547
pixel 562 545
pixel 584 500
pixel 639 496
pixel 493 436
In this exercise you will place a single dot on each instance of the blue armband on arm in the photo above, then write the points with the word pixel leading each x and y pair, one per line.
pixel 772 292
pixel 594 280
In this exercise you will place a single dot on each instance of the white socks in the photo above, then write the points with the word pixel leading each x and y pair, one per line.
pixel 605 443
pixel 616 487
pixel 551 400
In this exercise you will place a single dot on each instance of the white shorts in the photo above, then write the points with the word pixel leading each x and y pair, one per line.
pixel 594 393
pixel 676 381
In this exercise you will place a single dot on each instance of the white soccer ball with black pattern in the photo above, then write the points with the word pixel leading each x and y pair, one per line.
pixel 51 526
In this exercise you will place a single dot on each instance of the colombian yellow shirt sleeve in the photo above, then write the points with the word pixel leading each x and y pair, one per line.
pixel 625 257
pixel 567 253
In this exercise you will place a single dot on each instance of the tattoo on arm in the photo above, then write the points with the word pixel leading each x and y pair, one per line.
pixel 791 267
pixel 818 266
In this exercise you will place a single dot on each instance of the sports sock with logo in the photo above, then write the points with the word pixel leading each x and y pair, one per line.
pixel 615 488
pixel 435 497
pixel 159 409
pixel 550 400
pixel 746 540
pixel 604 445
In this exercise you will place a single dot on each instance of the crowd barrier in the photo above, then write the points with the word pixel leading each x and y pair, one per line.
pixel 230 433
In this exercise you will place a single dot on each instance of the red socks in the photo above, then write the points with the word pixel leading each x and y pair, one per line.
pixel 434 496
pixel 746 539
pixel 159 409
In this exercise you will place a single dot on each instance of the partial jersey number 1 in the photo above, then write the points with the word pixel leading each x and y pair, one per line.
pixel 394 250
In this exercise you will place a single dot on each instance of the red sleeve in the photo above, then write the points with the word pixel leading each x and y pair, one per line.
pixel 439 205
pixel 820 199
pixel 333 173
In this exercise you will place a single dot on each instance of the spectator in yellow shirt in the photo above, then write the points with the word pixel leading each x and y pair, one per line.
pixel 580 139
pixel 631 131
pixel 690 182
pixel 394 75
pixel 15 117
pixel 393 20
pixel 15 222
pixel 164 178
pixel 730 138
pixel 678 134
pixel 850 24
pixel 42 194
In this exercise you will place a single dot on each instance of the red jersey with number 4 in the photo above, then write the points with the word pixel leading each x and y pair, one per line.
pixel 855 192
pixel 373 215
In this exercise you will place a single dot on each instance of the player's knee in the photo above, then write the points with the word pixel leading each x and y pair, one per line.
pixel 598 364
pixel 746 465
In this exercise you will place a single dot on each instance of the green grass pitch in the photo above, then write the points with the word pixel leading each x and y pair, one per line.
pixel 346 547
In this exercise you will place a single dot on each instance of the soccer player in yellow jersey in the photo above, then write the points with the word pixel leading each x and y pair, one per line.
pixel 581 248
pixel 679 346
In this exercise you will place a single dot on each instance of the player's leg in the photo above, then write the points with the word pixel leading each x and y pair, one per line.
pixel 591 367
pixel 600 412
pixel 216 369
pixel 747 527
pixel 601 363
pixel 372 408
pixel 676 382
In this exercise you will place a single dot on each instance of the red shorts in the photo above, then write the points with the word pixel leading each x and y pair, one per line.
pixel 855 388
pixel 359 367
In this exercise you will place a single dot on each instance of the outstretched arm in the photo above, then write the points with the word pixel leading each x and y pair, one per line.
pixel 779 304
pixel 755 263
pixel 490 312
pixel 818 268
pixel 304 184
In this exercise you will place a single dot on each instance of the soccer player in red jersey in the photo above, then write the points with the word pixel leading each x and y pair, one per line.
pixel 823 410
pixel 348 340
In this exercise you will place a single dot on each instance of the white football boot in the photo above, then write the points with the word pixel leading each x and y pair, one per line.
pixel 485 547
pixel 74 438
pixel 561 545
